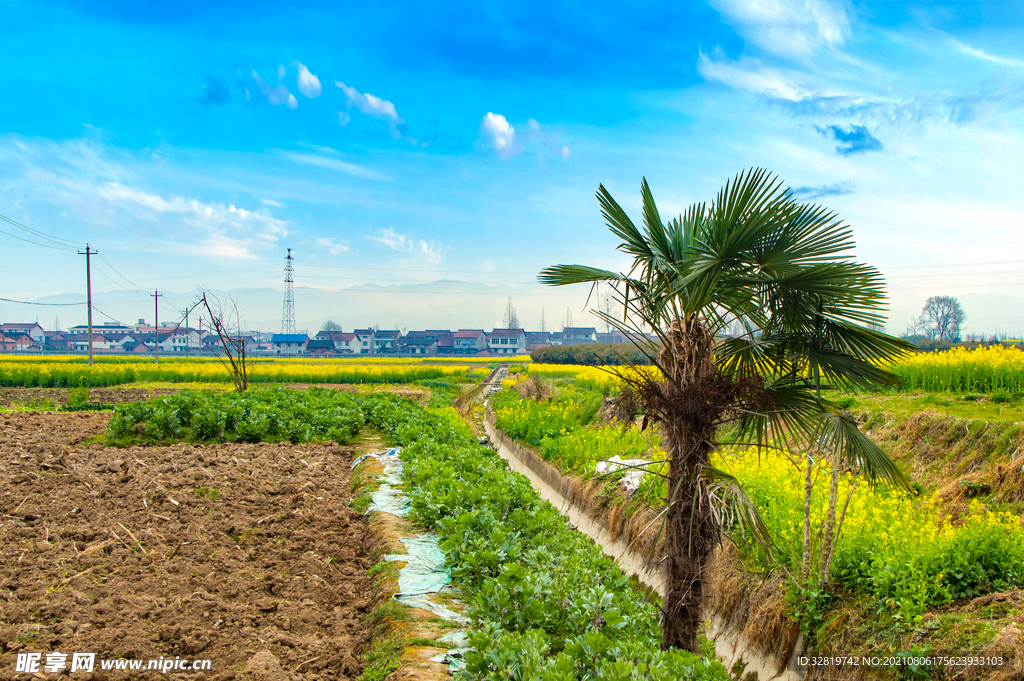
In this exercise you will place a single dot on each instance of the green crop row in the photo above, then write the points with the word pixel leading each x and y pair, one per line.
pixel 250 416
pixel 545 603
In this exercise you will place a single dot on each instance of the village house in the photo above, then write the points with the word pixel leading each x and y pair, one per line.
pixel 613 336
pixel 469 341
pixel 506 341
pixel 289 343
pixel 340 341
pixel 577 335
pixel 421 345
pixel 57 340
pixel 365 342
pixel 386 341
pixel 17 341
pixel 33 331
pixel 320 346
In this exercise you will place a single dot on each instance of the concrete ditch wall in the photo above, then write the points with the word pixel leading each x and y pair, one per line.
pixel 730 644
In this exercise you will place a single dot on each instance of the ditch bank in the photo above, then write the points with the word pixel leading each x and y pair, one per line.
pixel 619 540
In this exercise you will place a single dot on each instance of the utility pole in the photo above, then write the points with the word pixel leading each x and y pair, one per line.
pixel 88 294
pixel 156 336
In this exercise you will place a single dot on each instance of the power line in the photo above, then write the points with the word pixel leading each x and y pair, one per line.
pixel 117 284
pixel 109 317
pixel 25 302
pixel 118 273
pixel 34 243
pixel 42 235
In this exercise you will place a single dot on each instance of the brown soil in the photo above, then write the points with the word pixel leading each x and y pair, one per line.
pixel 59 396
pixel 125 553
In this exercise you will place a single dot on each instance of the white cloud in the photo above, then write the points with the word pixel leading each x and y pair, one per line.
pixel 964 48
pixel 340 166
pixel 564 152
pixel 751 75
pixel 370 104
pixel 343 118
pixel 333 247
pixel 271 202
pixel 309 84
pixel 501 134
pixel 277 94
pixel 788 27
pixel 223 230
pixel 428 251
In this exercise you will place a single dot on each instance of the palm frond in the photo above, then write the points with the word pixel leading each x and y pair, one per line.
pixel 841 440
pixel 732 507
pixel 564 275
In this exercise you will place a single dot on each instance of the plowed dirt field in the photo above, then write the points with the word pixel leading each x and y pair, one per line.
pixel 243 555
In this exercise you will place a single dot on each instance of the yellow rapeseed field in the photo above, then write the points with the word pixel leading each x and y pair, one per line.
pixel 983 369
pixel 72 371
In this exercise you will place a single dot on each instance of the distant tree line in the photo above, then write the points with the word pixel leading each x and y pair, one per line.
pixel 593 354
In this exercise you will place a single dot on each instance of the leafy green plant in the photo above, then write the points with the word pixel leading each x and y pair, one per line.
pixel 250 416
pixel 211 493
pixel 545 603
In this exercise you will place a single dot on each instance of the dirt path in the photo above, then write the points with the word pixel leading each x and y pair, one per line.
pixel 245 555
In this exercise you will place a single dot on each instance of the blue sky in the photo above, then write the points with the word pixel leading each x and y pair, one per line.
pixel 405 143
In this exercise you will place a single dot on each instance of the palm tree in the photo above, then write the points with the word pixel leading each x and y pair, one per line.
pixel 757 260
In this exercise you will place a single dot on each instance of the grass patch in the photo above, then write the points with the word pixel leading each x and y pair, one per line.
pixel 388 641
pixel 420 641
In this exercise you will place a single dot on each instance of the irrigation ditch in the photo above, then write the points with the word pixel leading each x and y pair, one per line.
pixel 625 540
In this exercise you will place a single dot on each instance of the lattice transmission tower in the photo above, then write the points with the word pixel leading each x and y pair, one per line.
pixel 288 314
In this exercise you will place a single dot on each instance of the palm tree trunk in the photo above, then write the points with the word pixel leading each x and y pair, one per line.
pixel 689 540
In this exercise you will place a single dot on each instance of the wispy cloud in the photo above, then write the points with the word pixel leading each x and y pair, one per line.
pixel 333 247
pixel 226 229
pixel 387 236
pixel 309 84
pixel 822 191
pixel 339 165
pixel 964 48
pixel 851 140
pixel 275 94
pixel 371 105
pixel 788 27
pixel 751 75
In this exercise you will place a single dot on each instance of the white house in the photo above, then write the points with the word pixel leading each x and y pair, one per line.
pixel 507 341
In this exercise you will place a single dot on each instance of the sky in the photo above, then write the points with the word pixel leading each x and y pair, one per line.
pixel 396 145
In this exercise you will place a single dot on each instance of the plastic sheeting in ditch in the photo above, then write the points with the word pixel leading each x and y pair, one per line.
pixel 388 497
pixel 424 574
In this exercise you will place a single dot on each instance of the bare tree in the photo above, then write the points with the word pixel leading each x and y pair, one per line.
pixel 946 315
pixel 330 325
pixel 609 305
pixel 511 319
pixel 917 326
pixel 226 323
pixel 568 319
pixel 543 324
